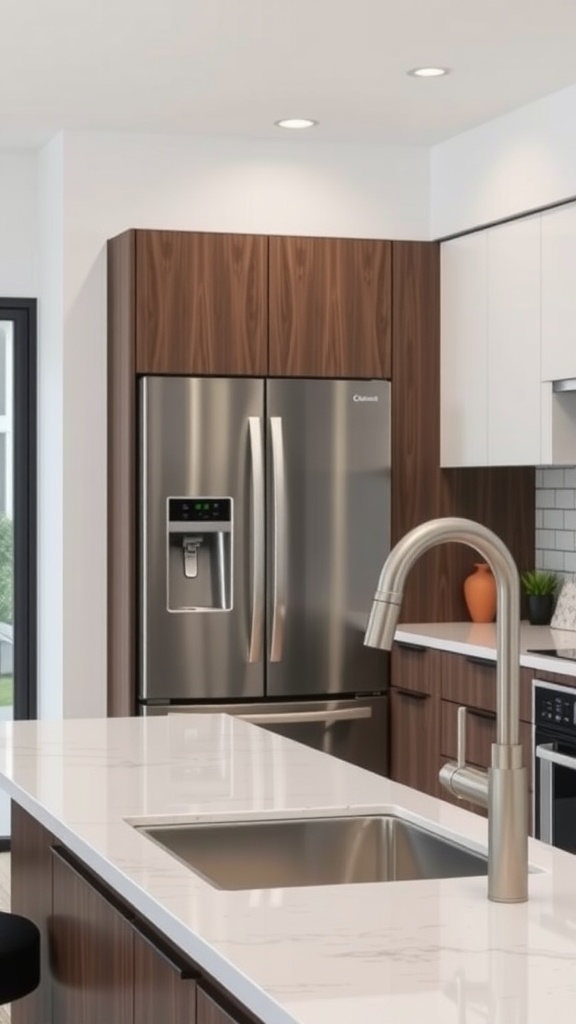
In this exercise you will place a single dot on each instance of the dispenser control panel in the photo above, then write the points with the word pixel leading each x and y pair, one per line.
pixel 199 510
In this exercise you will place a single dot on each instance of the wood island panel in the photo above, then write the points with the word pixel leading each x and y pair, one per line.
pixel 163 989
pixel 218 1009
pixel 330 307
pixel 92 953
pixel 31 896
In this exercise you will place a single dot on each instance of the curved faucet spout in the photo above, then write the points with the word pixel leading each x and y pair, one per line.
pixel 508 840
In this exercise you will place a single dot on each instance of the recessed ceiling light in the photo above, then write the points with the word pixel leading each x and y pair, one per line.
pixel 428 72
pixel 296 122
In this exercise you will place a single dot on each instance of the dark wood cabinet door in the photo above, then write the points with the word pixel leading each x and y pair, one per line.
pixel 164 990
pixel 415 716
pixel 330 307
pixel 415 668
pixel 201 303
pixel 31 885
pixel 472 681
pixel 92 953
pixel 414 742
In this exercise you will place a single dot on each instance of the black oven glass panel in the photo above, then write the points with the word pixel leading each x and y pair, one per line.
pixel 562 821
pixel 555 769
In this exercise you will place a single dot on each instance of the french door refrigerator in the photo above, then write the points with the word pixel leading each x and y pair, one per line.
pixel 264 523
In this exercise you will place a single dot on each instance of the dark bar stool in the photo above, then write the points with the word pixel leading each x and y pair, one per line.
pixel 19 957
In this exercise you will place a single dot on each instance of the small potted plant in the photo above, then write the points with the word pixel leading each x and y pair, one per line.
pixel 540 588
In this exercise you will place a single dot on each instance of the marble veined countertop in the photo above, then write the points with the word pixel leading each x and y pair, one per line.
pixel 479 640
pixel 425 952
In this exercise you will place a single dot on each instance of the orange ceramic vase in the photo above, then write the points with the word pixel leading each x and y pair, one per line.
pixel 480 593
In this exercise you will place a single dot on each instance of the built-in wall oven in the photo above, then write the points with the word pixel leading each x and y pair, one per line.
pixel 555 764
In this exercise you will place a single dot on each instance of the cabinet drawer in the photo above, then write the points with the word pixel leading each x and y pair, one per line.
pixel 469 680
pixel 416 668
pixel 472 681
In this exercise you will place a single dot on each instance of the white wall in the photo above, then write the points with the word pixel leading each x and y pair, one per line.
pixel 515 163
pixel 18 225
pixel 113 182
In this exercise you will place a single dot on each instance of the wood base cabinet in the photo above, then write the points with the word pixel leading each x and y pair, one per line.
pixel 428 687
pixel 414 715
pixel 92 955
pixel 102 964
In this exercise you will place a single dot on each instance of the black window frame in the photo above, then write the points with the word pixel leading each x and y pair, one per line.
pixel 23 314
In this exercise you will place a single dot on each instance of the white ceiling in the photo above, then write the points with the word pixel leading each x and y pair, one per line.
pixel 232 67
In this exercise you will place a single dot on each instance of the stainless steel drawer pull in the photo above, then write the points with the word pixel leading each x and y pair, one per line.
pixel 271 718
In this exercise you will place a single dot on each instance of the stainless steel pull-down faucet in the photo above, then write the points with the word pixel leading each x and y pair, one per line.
pixel 503 788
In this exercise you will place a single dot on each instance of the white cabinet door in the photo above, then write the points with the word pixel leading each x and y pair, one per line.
pixel 559 293
pixel 463 355
pixel 514 343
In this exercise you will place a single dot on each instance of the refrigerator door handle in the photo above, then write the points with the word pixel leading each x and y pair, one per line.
pixel 258 526
pixel 279 540
pixel 340 715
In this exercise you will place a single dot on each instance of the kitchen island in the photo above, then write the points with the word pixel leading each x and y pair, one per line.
pixel 405 952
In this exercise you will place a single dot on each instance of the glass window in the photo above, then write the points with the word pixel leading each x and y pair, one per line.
pixel 17 516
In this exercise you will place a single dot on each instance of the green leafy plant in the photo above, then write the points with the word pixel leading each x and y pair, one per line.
pixel 539 583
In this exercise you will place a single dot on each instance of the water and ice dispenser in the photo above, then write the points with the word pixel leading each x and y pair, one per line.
pixel 199 554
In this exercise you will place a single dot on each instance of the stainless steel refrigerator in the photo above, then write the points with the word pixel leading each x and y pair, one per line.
pixel 264 522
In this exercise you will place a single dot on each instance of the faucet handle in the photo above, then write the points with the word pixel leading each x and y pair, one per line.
pixel 461 738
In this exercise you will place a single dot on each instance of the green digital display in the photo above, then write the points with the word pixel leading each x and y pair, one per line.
pixel 183 510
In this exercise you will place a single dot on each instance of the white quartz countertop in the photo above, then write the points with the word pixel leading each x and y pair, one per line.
pixel 404 952
pixel 479 640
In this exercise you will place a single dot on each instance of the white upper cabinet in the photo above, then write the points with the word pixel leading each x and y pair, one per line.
pixel 558 358
pixel 464 339
pixel 490 347
pixel 514 343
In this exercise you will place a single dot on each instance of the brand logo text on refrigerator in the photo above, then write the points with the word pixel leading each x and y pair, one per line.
pixel 365 398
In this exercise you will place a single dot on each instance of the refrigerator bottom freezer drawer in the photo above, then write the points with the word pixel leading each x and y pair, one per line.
pixel 353 730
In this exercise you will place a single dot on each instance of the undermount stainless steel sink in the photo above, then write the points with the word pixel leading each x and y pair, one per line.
pixel 314 851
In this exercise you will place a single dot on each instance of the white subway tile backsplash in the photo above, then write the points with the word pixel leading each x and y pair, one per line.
pixel 553 478
pixel 546 539
pixel 570 561
pixel 553 519
pixel 553 560
pixel 566 498
pixel 545 498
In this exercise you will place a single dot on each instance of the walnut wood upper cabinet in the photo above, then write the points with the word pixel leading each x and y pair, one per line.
pixel 330 307
pixel 197 302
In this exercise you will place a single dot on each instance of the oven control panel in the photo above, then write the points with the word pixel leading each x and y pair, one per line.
pixel 555 708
